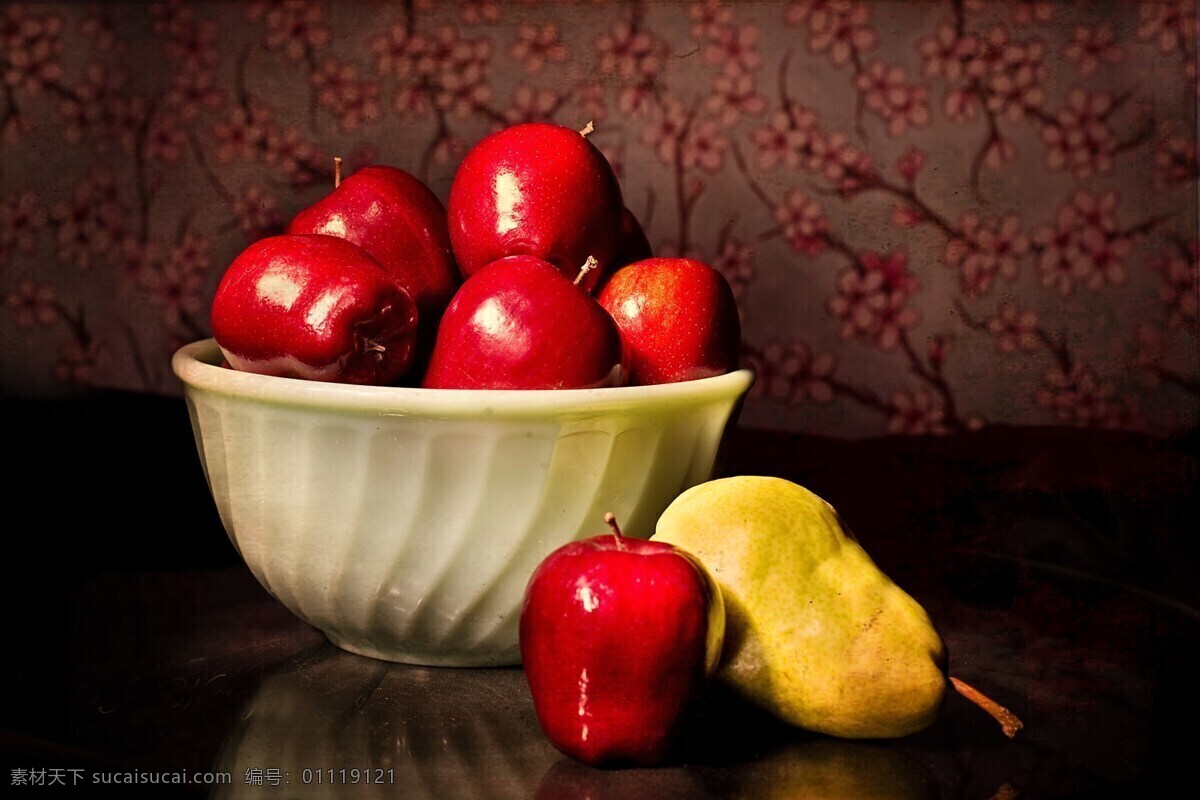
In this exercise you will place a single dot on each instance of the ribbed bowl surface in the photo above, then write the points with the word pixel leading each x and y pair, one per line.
pixel 404 523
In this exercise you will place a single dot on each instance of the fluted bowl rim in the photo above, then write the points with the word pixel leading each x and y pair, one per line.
pixel 198 366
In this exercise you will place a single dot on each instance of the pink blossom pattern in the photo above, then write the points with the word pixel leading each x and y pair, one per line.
pixel 629 53
pixel 31 47
pixel 538 45
pixel 102 105
pixel 1032 12
pixel 735 261
pixel 666 131
pixel 296 27
pixel 989 74
pixel 176 283
pixel 704 146
pixel 341 89
pixel 455 69
pixel 888 94
pixel 734 96
pixel 802 222
pixel 532 105
pixel 734 49
pixel 192 92
pixel 21 217
pixel 709 19
pixel 990 71
pixel 821 153
pixel 1084 246
pixel 985 249
pixel 916 412
pixel 478 12
pixel 1014 328
pixel 1175 160
pixel 1079 139
pixel 1090 48
pixel 788 138
pixel 77 362
pixel 1011 71
pixel 32 304
pixel 635 57
pixel 792 373
pixel 1169 24
pixel 165 139
pixel 1078 396
pixel 444 71
pixel 91 225
pixel 290 153
pixel 910 162
pixel 1177 267
pixel 872 299
pixel 256 213
pixel 240 137
pixel 190 44
pixel 837 27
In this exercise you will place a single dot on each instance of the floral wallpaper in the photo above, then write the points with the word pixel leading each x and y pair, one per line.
pixel 936 215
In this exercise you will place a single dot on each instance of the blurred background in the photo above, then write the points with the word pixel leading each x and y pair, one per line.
pixel 937 216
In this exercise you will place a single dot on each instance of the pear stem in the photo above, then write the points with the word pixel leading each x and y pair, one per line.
pixel 1009 723
pixel 587 267
pixel 337 171
pixel 610 519
pixel 586 129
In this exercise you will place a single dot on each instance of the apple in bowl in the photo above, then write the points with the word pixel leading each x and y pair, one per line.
pixel 678 320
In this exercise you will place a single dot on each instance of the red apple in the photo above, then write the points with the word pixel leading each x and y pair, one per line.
pixel 535 189
pixel 619 637
pixel 401 224
pixel 634 246
pixel 521 324
pixel 314 307
pixel 678 320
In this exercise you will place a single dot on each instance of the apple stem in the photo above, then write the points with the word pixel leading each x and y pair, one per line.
pixel 610 519
pixel 376 348
pixel 587 267
pixel 586 129
pixel 337 171
pixel 1009 723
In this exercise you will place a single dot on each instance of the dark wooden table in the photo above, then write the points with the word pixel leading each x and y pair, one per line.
pixel 1059 564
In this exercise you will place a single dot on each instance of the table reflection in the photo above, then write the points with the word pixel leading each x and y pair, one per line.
pixel 333 724
pixel 424 732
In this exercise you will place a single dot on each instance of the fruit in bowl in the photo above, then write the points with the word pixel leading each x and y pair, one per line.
pixel 404 522
pixel 678 319
pixel 400 223
pixel 519 323
pixel 535 189
pixel 314 307
pixel 400 504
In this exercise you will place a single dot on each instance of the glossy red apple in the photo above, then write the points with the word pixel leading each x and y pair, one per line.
pixel 401 224
pixel 521 324
pixel 618 638
pixel 314 307
pixel 678 320
pixel 535 189
pixel 634 246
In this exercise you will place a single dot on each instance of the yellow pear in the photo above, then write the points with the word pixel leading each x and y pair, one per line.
pixel 816 633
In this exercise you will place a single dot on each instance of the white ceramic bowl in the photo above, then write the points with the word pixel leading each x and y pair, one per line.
pixel 404 523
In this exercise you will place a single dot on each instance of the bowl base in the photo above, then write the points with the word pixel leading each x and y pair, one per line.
pixel 429 658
